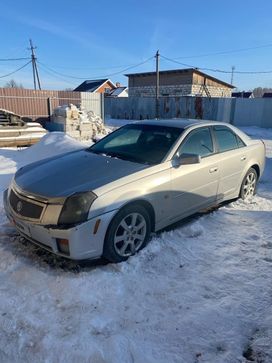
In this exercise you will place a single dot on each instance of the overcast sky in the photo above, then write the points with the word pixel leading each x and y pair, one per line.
pixel 93 39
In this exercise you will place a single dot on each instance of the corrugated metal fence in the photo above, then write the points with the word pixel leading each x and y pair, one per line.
pixel 238 111
pixel 38 105
pixel 139 108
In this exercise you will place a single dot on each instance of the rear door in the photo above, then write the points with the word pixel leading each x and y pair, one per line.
pixel 195 186
pixel 232 158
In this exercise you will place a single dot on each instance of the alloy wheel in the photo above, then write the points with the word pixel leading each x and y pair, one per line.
pixel 249 185
pixel 130 234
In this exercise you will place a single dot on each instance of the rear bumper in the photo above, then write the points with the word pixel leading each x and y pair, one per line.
pixel 84 243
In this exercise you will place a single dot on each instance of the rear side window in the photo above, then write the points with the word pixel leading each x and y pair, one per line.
pixel 226 139
pixel 197 142
pixel 240 142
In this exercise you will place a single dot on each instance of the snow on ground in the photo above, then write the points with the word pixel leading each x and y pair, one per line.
pixel 199 292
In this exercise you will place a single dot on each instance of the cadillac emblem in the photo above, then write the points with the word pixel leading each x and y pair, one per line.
pixel 19 206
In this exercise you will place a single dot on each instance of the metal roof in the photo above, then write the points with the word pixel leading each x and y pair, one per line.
pixel 91 85
pixel 241 94
pixel 116 92
pixel 267 95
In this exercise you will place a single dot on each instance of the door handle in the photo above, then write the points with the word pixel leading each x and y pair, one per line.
pixel 213 170
pixel 243 158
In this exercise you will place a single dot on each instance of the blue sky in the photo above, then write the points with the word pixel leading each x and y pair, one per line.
pixel 92 39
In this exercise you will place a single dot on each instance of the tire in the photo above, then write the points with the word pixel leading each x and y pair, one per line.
pixel 128 232
pixel 248 187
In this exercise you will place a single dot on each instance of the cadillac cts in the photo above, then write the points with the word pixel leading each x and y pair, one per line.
pixel 106 200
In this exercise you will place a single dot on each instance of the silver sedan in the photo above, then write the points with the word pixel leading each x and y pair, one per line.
pixel 107 199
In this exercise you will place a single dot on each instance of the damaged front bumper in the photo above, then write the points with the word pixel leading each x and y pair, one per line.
pixel 85 240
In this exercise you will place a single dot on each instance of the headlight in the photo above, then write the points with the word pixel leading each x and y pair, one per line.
pixel 76 208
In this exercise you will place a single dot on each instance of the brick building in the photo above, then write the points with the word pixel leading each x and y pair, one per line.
pixel 179 82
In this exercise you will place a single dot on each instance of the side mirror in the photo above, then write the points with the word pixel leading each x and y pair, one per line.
pixel 186 159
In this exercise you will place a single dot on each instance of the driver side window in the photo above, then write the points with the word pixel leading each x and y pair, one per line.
pixel 198 142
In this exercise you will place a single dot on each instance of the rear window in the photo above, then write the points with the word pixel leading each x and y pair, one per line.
pixel 226 139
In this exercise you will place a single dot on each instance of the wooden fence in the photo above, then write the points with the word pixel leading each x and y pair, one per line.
pixel 38 105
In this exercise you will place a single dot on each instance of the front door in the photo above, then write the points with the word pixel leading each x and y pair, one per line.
pixel 195 186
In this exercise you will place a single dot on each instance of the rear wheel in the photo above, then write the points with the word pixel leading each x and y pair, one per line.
pixel 248 187
pixel 129 231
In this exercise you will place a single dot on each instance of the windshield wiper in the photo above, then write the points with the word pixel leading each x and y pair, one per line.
pixel 131 158
pixel 117 155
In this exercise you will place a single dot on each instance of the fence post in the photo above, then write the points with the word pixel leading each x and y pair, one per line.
pixel 102 107
pixel 232 110
pixel 49 108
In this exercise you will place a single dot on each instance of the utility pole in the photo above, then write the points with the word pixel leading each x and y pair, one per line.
pixel 157 56
pixel 36 78
pixel 232 73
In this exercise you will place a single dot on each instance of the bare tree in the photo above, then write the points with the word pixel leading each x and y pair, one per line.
pixel 13 84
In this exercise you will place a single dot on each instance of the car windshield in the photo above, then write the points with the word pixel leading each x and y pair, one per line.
pixel 145 144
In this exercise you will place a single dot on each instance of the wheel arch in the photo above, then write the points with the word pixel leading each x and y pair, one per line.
pixel 257 169
pixel 147 205
pixel 108 250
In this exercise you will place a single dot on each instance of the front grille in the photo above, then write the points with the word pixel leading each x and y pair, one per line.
pixel 23 207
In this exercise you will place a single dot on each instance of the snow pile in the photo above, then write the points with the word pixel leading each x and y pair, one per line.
pixel 200 292
pixel 53 143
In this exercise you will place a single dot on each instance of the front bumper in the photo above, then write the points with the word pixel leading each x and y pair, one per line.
pixel 84 241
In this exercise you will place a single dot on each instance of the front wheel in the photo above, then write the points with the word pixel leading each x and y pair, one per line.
pixel 248 187
pixel 129 231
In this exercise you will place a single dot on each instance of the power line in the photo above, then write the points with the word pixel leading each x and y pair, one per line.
pixel 97 77
pixel 16 70
pixel 56 76
pixel 225 52
pixel 215 70
pixel 12 59
pixel 91 68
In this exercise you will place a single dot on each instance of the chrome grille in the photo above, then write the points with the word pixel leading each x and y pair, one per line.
pixel 25 208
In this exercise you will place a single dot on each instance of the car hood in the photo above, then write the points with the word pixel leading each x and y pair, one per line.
pixel 78 171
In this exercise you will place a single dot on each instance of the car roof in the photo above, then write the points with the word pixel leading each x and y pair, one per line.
pixel 181 123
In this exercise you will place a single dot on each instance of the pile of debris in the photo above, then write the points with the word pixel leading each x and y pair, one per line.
pixel 78 122
pixel 16 132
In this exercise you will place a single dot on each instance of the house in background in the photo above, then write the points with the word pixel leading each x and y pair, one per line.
pixel 178 82
pixel 96 86
pixel 105 86
pixel 242 94
pixel 119 91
